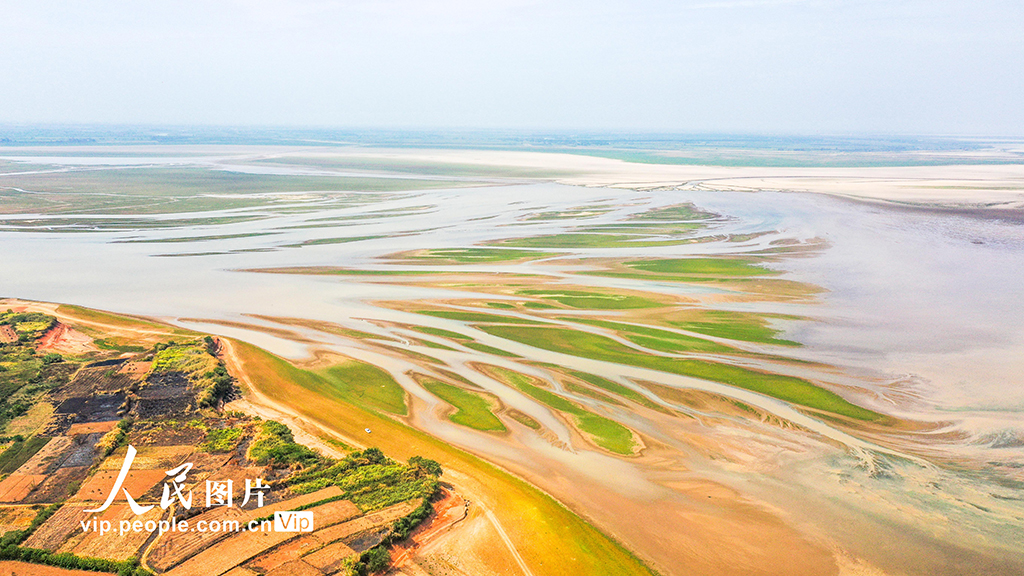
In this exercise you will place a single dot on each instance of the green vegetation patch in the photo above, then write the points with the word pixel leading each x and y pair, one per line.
pixel 584 391
pixel 606 433
pixel 685 211
pixel 440 332
pixel 274 444
pixel 475 317
pixel 186 358
pixel 222 440
pixel 471 409
pixel 478 255
pixel 209 376
pixel 117 345
pixel 656 339
pixel 29 326
pixel 183 239
pixel 586 345
pixel 577 213
pixel 370 479
pixel 489 349
pixel 366 385
pixel 619 389
pixel 743 326
pixel 338 240
pixel 19 452
pixel 702 266
pixel 539 305
pixel 160 190
pixel 590 240
pixel 593 300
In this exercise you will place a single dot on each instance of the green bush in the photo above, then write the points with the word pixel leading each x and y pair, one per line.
pixel 276 445
pixel 377 559
pixel 429 466
pixel 223 440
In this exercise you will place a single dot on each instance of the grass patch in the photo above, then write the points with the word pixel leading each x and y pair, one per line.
pixel 685 211
pixel 474 317
pixel 434 345
pixel 471 409
pixel 735 326
pixel 703 266
pixel 274 444
pixel 335 271
pixel 19 452
pixel 606 433
pixel 589 240
pixel 87 315
pixel 539 305
pixel 440 332
pixel 223 440
pixel 193 238
pixel 117 345
pixel 327 241
pixel 188 358
pixel 656 339
pixel 163 190
pixel 593 300
pixel 489 349
pixel 477 255
pixel 366 385
pixel 586 345
pixel 584 391
pixel 619 389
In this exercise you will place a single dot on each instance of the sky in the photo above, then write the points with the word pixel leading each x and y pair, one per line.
pixel 935 67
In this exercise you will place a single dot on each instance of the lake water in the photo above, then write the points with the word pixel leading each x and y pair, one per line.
pixel 922 313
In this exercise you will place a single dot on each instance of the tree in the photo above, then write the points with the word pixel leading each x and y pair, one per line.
pixel 430 466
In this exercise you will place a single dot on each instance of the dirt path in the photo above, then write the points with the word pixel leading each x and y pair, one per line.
pixel 508 542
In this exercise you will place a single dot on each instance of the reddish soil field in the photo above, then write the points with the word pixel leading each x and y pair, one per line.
pixel 239 548
pixel 295 568
pixel 329 558
pixel 58 527
pixel 91 427
pixel 16 487
pixel 447 511
pixel 62 338
pixel 111 545
pixel 170 549
pixel 323 516
pixel 11 568
pixel 138 483
pixel 47 456
pixel 57 485
pixel 15 518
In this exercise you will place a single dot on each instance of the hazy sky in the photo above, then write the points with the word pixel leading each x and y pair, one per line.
pixel 794 66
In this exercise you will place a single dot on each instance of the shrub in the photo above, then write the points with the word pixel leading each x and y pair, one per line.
pixel 429 466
